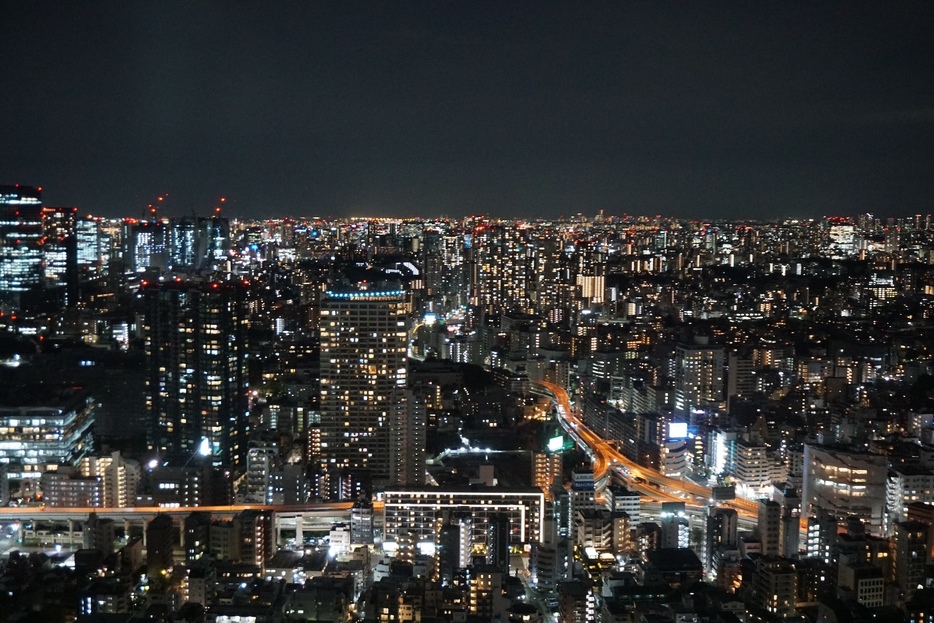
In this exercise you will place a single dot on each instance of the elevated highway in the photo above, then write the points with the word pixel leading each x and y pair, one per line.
pixel 64 525
pixel 646 481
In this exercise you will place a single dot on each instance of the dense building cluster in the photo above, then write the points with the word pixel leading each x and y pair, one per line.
pixel 589 419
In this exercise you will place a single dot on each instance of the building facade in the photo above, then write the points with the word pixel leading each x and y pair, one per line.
pixel 364 369
pixel 197 382
pixel 421 510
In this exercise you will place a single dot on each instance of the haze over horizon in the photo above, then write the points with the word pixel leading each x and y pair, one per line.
pixel 708 110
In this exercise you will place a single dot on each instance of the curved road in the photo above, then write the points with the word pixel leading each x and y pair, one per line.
pixel 657 485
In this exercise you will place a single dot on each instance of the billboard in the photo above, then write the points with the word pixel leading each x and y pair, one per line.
pixel 677 430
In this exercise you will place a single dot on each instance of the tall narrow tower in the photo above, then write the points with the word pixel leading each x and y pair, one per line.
pixel 196 352
pixel 364 370
pixel 20 240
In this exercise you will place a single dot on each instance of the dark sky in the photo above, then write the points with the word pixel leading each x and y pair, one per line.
pixel 699 109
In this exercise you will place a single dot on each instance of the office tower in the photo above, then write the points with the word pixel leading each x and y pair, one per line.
pixel 21 256
pixel 769 527
pixel 698 378
pixel 198 243
pixel 146 245
pixel 862 582
pixel 92 248
pixel 407 430
pixel 39 431
pixel 196 351
pixel 364 370
pixel 60 251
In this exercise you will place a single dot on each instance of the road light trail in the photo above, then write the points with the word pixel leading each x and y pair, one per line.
pixel 656 484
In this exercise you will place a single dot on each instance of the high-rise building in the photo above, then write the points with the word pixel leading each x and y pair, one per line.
pixel 769 527
pixel 120 477
pixel 21 258
pixel 722 528
pixel 146 245
pixel 60 251
pixel 196 350
pixel 448 553
pixel 822 528
pixel 198 243
pixel 92 247
pixel 582 495
pixel 910 555
pixel 407 426
pixel 698 377
pixel 790 501
pixel 364 370
pixel 546 468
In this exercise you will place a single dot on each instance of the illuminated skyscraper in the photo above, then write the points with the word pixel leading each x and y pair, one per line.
pixel 60 249
pixel 93 247
pixel 196 351
pixel 407 439
pixel 198 244
pixel 698 377
pixel 500 267
pixel 364 369
pixel 21 266
pixel 146 244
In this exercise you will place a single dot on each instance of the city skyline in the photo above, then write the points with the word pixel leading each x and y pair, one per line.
pixel 713 111
pixel 456 420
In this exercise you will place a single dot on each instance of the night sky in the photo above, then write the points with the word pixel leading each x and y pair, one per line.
pixel 700 109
